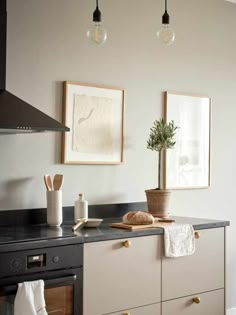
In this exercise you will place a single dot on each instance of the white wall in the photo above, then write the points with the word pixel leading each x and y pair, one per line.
pixel 47 45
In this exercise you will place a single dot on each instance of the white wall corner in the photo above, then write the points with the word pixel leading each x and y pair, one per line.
pixel 231 311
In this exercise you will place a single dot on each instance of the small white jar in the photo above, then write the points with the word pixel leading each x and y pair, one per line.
pixel 81 208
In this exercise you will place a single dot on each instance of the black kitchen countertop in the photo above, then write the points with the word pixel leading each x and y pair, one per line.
pixel 13 238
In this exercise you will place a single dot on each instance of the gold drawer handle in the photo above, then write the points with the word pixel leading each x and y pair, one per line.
pixel 197 235
pixel 196 300
pixel 127 244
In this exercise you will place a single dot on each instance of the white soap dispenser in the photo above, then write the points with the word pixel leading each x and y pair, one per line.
pixel 81 208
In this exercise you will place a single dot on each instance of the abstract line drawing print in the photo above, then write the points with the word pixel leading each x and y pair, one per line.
pixel 92 125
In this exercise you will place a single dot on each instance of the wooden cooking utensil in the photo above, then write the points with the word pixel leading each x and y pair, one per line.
pixel 48 182
pixel 79 224
pixel 57 181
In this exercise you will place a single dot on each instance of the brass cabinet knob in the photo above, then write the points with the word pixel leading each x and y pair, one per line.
pixel 197 235
pixel 127 244
pixel 126 313
pixel 196 300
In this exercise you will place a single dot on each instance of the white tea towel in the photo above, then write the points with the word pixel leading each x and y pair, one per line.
pixel 30 299
pixel 179 240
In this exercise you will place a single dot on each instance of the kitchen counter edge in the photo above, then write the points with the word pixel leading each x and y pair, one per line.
pixel 104 233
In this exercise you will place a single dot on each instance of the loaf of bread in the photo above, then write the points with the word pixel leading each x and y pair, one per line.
pixel 138 218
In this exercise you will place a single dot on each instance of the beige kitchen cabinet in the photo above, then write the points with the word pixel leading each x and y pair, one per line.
pixel 210 303
pixel 203 271
pixel 154 309
pixel 122 274
pixel 133 277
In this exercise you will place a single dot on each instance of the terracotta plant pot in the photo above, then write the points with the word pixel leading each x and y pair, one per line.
pixel 158 202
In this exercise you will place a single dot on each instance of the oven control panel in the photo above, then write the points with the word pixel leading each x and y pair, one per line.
pixel 37 260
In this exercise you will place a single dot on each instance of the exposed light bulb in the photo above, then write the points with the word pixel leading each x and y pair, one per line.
pixel 166 34
pixel 97 33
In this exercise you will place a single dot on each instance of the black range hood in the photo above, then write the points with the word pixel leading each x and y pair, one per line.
pixel 17 116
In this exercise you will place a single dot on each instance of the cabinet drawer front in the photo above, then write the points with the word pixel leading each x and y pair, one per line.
pixel 154 309
pixel 211 303
pixel 203 271
pixel 118 277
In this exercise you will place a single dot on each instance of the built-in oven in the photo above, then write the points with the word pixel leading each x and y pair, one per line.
pixel 59 267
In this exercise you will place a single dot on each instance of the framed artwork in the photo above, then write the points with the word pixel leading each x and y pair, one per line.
pixel 188 164
pixel 95 116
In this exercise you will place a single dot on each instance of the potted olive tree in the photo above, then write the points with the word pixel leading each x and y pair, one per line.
pixel 161 138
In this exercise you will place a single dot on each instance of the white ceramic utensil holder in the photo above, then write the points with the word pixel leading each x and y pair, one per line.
pixel 54 208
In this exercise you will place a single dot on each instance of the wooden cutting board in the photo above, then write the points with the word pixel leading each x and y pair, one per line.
pixel 130 227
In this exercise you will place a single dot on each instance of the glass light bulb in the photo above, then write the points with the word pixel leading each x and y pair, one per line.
pixel 97 33
pixel 166 34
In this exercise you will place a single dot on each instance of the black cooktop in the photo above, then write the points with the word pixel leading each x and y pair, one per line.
pixel 33 233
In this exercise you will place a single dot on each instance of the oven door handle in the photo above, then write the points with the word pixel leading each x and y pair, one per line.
pixel 55 282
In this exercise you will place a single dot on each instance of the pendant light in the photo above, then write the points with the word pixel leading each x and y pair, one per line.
pixel 97 33
pixel 166 34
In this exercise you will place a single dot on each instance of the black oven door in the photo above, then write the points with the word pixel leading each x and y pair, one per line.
pixel 63 291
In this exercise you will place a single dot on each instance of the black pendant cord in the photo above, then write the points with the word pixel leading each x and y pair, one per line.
pixel 97 16
pixel 165 16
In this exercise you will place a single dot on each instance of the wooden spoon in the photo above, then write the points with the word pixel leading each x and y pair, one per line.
pixel 79 224
pixel 57 181
pixel 48 182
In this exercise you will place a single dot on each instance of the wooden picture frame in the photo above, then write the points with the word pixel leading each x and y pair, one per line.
pixel 95 116
pixel 187 166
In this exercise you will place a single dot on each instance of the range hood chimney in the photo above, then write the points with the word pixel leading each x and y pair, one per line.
pixel 17 116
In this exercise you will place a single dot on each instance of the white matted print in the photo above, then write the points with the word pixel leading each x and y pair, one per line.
pixel 188 164
pixel 95 115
